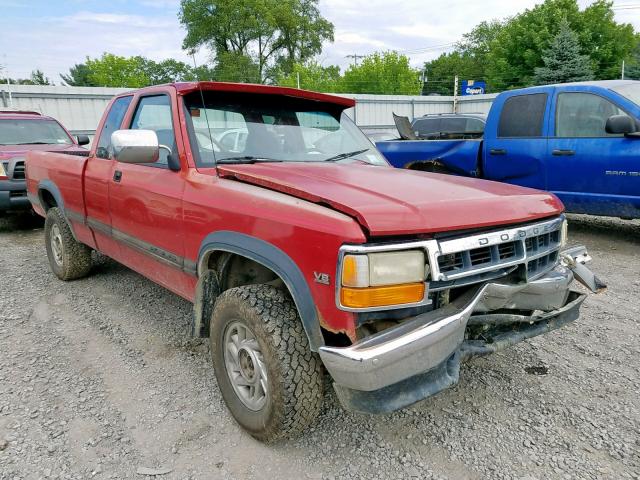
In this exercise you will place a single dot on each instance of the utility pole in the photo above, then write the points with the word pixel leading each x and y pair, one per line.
pixel 455 94
pixel 298 79
pixel 355 57
pixel 622 70
pixel 6 76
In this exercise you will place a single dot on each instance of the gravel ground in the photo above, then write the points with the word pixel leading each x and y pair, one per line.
pixel 98 378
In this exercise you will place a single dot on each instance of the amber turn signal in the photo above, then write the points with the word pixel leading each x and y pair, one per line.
pixel 381 296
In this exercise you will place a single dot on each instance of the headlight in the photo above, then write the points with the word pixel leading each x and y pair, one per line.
pixel 381 279
pixel 564 233
pixel 3 172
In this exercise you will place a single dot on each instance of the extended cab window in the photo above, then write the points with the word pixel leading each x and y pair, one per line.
pixel 522 116
pixel 154 113
pixel 426 126
pixel 583 115
pixel 111 124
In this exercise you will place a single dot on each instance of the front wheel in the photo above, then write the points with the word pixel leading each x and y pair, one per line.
pixel 269 378
pixel 69 259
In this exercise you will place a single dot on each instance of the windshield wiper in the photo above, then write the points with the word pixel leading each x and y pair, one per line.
pixel 342 156
pixel 246 159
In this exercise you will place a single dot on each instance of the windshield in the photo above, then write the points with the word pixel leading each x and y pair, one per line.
pixel 239 128
pixel 29 131
pixel 631 91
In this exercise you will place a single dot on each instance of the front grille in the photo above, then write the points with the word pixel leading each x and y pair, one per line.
pixel 18 171
pixel 478 257
pixel 534 246
pixel 451 262
pixel 540 264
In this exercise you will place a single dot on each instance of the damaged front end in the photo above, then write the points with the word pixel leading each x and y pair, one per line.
pixel 420 356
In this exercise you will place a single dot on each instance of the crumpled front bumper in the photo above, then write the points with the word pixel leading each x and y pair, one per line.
pixel 421 356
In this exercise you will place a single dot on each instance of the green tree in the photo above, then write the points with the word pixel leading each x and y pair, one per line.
pixel 563 61
pixel 167 71
pixel 517 49
pixel 302 31
pixel 313 76
pixel 78 76
pixel 383 73
pixel 632 68
pixel 38 78
pixel 115 71
pixel 236 67
pixel 606 42
pixel 468 60
pixel 274 34
pixel 440 73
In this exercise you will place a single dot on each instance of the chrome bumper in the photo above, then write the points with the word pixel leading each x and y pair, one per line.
pixel 427 340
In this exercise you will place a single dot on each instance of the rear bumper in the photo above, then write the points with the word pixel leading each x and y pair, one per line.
pixel 421 356
pixel 13 196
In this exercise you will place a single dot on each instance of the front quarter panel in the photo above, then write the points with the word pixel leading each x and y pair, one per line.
pixel 309 234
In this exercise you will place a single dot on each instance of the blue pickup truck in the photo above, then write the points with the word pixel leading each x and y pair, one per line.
pixel 580 141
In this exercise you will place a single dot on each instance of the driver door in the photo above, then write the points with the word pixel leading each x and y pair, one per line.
pixel 586 165
pixel 146 201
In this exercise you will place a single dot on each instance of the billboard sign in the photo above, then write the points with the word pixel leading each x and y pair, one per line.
pixel 473 87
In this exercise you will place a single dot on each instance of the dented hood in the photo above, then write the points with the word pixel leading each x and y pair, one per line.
pixel 389 201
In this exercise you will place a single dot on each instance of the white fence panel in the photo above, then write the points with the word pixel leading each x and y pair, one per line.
pixel 80 108
pixel 77 108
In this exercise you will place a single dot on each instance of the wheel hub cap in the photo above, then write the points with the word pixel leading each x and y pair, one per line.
pixel 245 367
pixel 56 244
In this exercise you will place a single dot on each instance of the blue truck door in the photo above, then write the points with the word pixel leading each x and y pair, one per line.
pixel 515 140
pixel 587 167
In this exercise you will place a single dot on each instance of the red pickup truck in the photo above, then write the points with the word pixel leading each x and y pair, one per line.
pixel 303 251
pixel 20 132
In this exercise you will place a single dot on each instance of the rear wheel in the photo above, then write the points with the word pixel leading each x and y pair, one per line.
pixel 69 259
pixel 269 378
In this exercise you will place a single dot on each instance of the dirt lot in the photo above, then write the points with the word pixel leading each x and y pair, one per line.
pixel 98 378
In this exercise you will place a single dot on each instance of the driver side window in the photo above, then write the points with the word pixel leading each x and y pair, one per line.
pixel 583 115
pixel 154 113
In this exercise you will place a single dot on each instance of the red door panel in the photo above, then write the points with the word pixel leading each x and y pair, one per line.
pixel 146 216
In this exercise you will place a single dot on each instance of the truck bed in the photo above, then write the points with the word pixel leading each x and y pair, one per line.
pixel 64 170
pixel 459 156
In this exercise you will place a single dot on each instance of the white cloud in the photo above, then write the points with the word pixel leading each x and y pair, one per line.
pixel 119 20
pixel 152 29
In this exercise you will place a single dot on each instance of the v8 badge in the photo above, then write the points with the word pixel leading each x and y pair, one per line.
pixel 322 278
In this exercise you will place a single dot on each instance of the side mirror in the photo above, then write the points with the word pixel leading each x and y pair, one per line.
pixel 135 146
pixel 620 125
pixel 83 139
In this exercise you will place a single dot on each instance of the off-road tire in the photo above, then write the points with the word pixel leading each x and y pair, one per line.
pixel 294 372
pixel 76 257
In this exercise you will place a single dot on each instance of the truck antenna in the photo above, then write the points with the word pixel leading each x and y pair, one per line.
pixel 204 109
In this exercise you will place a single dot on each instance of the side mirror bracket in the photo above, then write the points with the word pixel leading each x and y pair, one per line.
pixel 620 125
pixel 173 162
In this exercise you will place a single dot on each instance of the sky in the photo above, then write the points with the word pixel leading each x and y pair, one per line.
pixel 53 35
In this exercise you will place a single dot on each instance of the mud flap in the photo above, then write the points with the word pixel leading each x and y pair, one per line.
pixel 207 290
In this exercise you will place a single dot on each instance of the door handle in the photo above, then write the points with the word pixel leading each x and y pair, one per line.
pixel 498 151
pixel 563 153
pixel 117 176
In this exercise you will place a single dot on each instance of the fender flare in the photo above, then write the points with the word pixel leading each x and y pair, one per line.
pixel 49 186
pixel 276 260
